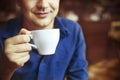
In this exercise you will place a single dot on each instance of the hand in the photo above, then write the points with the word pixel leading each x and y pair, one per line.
pixel 16 51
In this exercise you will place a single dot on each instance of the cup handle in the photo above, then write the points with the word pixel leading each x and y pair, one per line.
pixel 33 46
pixel 31 37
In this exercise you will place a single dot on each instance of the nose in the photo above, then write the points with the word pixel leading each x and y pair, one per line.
pixel 42 4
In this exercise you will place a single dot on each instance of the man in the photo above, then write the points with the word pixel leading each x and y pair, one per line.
pixel 18 61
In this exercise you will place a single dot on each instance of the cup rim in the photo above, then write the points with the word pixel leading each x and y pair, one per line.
pixel 45 29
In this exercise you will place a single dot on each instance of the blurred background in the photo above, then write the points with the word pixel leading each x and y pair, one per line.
pixel 100 20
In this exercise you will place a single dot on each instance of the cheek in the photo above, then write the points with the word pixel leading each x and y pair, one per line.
pixel 54 3
pixel 28 5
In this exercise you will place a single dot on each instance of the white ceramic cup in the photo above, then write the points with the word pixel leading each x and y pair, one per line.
pixel 45 41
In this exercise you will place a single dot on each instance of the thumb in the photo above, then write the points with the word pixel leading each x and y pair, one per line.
pixel 24 31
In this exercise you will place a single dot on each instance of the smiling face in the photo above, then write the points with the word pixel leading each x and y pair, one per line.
pixel 39 14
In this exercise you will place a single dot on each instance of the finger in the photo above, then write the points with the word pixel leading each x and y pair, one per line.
pixel 20 59
pixel 18 39
pixel 14 56
pixel 24 31
pixel 24 58
pixel 22 48
pixel 18 48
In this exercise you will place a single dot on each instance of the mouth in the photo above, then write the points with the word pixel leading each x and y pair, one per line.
pixel 42 14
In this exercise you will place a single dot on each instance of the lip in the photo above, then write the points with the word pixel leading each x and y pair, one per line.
pixel 41 14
